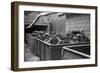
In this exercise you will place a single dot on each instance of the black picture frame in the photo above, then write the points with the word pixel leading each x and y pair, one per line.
pixel 15 34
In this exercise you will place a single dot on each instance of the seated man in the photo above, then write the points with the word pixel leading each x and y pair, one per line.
pixel 54 40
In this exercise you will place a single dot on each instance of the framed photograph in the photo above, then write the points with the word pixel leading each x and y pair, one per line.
pixel 52 36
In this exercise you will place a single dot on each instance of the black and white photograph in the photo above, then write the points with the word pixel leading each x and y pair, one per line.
pixel 56 36
pixel 52 36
